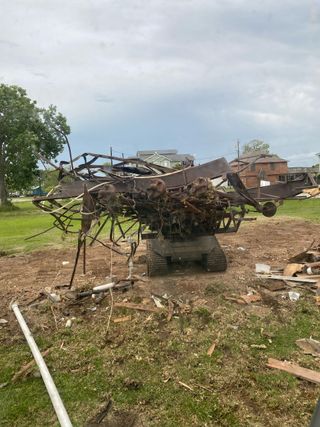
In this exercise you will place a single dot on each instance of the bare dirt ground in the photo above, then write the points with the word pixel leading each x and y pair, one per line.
pixel 271 241
pixel 236 374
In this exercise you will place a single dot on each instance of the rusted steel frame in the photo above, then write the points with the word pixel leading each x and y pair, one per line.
pixel 107 246
pixel 127 184
pixel 120 228
pixel 186 176
pixel 132 160
pixel 234 217
pixel 84 256
pixel 128 229
pixel 80 243
pixel 69 225
pixel 87 211
pixel 62 210
pixel 128 219
pixel 111 229
pixel 86 165
pixel 238 185
pixel 278 191
pixel 135 160
pixel 283 190
pixel 41 232
pixel 99 230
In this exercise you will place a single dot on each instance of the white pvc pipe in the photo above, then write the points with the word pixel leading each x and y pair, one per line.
pixel 105 287
pixel 57 403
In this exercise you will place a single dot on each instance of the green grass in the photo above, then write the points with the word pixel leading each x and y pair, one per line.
pixel 306 209
pixel 23 221
pixel 140 363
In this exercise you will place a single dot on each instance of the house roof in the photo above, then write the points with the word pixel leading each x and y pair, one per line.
pixel 299 169
pixel 151 152
pixel 258 157
pixel 180 157
pixel 169 154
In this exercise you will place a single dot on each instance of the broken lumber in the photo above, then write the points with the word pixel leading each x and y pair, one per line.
pixel 248 299
pixel 26 368
pixel 185 385
pixel 289 278
pixel 298 371
pixel 309 346
pixel 211 348
pixel 137 307
pixel 122 319
pixel 292 268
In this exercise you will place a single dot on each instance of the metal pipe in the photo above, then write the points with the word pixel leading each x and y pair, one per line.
pixel 57 403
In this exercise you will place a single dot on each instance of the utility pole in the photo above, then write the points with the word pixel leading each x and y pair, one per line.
pixel 238 153
pixel 111 156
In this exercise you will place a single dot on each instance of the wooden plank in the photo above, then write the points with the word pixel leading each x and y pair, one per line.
pixel 248 299
pixel 26 368
pixel 298 371
pixel 292 268
pixel 289 278
pixel 137 307
pixel 122 319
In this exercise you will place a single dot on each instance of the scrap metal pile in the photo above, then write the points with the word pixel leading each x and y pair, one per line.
pixel 129 198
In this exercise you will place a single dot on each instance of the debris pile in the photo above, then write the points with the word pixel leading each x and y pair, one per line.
pixel 302 270
pixel 133 199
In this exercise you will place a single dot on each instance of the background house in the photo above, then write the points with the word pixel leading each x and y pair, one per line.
pixel 258 166
pixel 167 158
pixel 295 172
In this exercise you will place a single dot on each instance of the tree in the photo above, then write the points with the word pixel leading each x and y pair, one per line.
pixel 256 145
pixel 25 132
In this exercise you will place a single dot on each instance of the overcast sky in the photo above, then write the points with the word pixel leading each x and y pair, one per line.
pixel 195 75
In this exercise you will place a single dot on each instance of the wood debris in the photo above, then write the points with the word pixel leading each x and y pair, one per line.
pixel 213 346
pixel 170 310
pixel 312 192
pixel 248 299
pixel 26 369
pixel 185 385
pixel 309 346
pixel 139 307
pixel 302 269
pixel 258 346
pixel 122 319
pixel 275 286
pixel 289 278
pixel 294 369
pixel 292 268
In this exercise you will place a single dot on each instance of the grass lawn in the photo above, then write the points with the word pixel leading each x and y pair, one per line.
pixel 145 363
pixel 307 209
pixel 24 221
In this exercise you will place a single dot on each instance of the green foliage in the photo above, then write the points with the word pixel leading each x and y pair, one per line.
pixel 256 145
pixel 26 131
pixel 48 179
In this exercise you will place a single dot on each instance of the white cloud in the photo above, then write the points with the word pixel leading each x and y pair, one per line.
pixel 231 69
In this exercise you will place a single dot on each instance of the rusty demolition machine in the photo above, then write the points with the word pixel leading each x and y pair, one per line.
pixel 107 199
